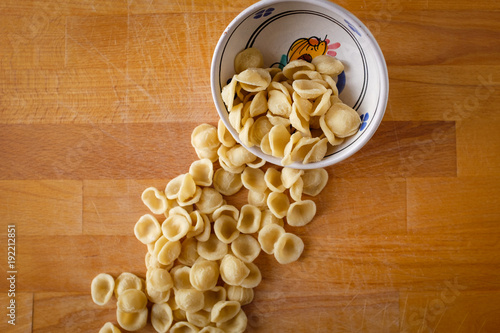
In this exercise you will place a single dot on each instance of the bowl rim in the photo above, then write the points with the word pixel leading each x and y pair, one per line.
pixel 379 61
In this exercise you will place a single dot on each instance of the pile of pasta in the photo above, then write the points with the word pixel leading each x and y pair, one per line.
pixel 201 250
pixel 294 114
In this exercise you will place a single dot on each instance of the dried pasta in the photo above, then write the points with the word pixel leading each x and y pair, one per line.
pixel 246 248
pixel 225 228
pixel 301 213
pixel 126 281
pixel 314 181
pixel 249 220
pixel 147 229
pixel 273 180
pixel 224 310
pixel 233 270
pixel 227 183
pixel 109 328
pixel 202 172
pixel 189 251
pixel 184 327
pixel 102 288
pixel 189 300
pixel 239 294
pixel 204 274
pixel 212 296
pixel 278 204
pixel 212 249
pixel 210 200
pixel 132 321
pixel 199 319
pixel 159 279
pixel 268 237
pixel 253 278
pixel 205 140
pixel 301 97
pixel 161 317
pixel 154 200
pixel 132 300
pixel 237 324
pixel 288 248
pixel 254 179
pixel 181 277
pixel 248 58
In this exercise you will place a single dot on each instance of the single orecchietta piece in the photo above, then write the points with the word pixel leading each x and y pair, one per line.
pixel 102 288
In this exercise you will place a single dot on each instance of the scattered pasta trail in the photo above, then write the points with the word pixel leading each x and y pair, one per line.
pixel 294 114
pixel 199 260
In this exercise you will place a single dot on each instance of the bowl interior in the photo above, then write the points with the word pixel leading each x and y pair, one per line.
pixel 287 30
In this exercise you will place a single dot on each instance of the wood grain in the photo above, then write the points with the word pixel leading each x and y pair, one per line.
pixel 42 207
pixel 98 100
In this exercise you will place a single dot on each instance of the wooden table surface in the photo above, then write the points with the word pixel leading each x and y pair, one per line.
pixel 98 100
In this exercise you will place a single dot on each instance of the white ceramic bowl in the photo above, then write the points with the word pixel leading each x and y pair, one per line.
pixel 273 26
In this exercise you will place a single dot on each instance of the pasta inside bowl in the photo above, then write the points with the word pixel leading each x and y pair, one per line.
pixel 284 31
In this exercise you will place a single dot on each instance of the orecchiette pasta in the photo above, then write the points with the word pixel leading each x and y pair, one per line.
pixel 132 300
pixel 240 294
pixel 301 213
pixel 268 237
pixel 227 183
pixel 147 229
pixel 204 274
pixel 273 180
pixel 189 300
pixel 202 172
pixel 237 324
pixel 155 296
pixel 246 248
pixel 314 181
pixel 209 201
pixel 302 96
pixel 258 199
pixel 212 249
pixel 184 327
pixel 253 278
pixel 169 252
pixel 199 319
pixel 278 204
pixel 225 228
pixel 109 328
pixel 211 329
pixel 175 227
pixel 267 217
pixel 154 200
pixel 297 189
pixel 288 248
pixel 228 210
pixel 132 321
pixel 327 65
pixel 224 135
pixel 126 281
pixel 102 288
pixel 181 277
pixel 159 279
pixel 289 176
pixel 248 58
pixel 233 270
pixel 214 295
pixel 205 140
pixel 249 220
pixel 253 179
pixel 224 310
pixel 161 317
